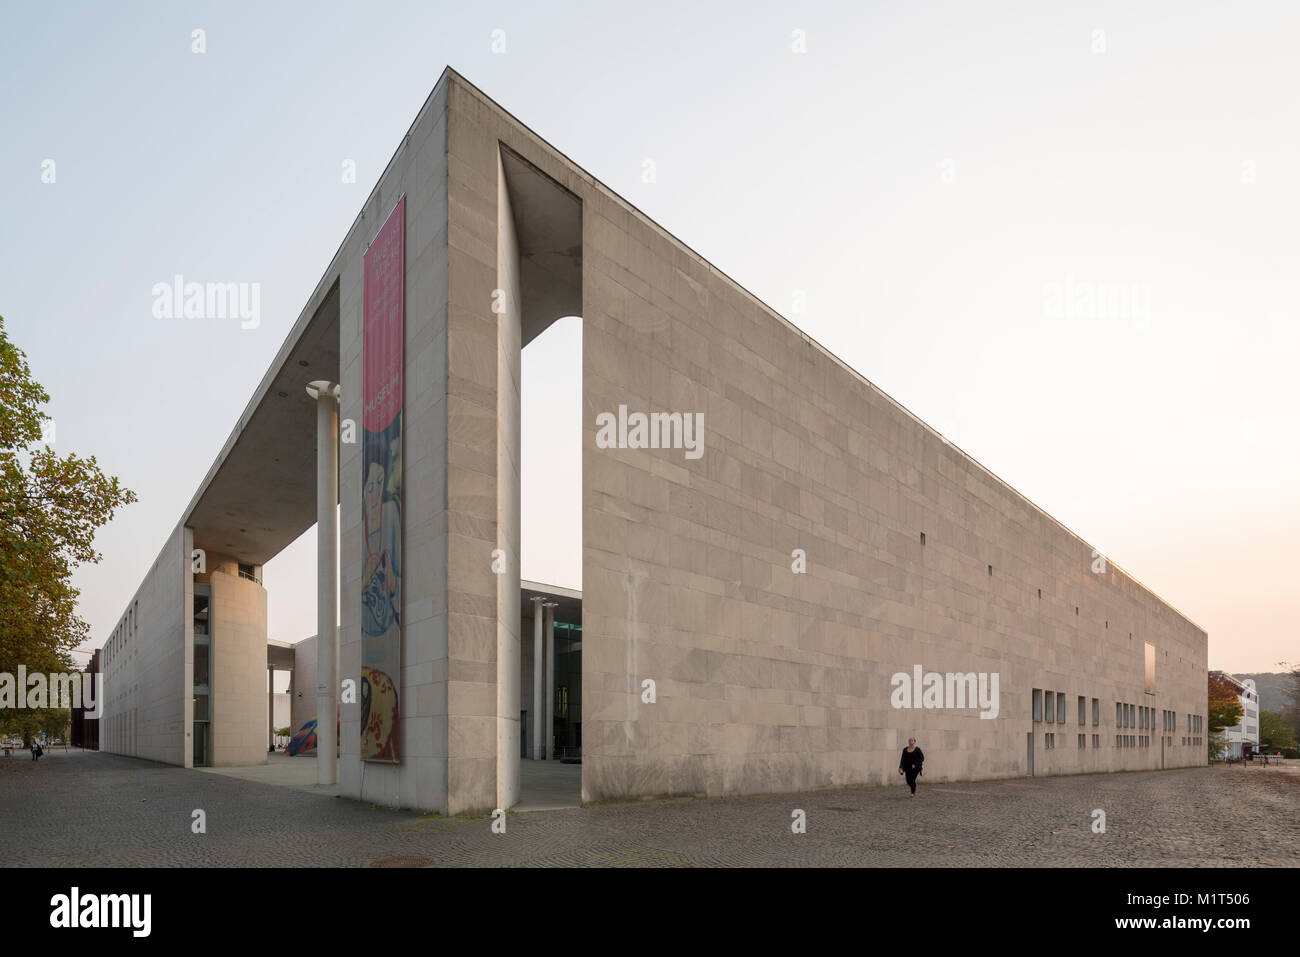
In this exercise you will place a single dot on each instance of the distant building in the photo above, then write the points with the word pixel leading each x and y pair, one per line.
pixel 1245 731
pixel 84 731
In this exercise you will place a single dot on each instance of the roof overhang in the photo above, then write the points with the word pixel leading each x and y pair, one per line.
pixel 260 494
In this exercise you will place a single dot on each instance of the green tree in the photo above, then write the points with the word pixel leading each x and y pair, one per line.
pixel 22 723
pixel 56 722
pixel 50 508
pixel 1274 732
pixel 1291 712
pixel 1223 710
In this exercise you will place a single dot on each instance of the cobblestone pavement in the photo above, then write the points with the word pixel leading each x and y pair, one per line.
pixel 79 809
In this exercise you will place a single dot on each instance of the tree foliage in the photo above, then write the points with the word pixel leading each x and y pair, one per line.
pixel 50 508
pixel 1291 712
pixel 1224 709
pixel 1274 732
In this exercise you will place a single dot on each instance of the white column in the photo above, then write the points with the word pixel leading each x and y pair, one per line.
pixel 549 626
pixel 326 395
pixel 270 709
pixel 537 751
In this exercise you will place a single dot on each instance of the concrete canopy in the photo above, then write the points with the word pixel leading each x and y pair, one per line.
pixel 260 494
pixel 279 655
pixel 548 224
pixel 568 602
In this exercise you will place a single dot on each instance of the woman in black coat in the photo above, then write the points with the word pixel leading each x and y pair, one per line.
pixel 910 763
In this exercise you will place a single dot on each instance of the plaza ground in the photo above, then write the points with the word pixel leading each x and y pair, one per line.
pixel 77 809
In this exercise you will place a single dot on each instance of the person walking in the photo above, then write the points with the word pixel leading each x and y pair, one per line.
pixel 909 765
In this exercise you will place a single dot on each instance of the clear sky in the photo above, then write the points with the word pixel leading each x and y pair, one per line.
pixel 1066 238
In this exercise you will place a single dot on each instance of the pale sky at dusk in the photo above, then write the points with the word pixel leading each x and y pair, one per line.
pixel 1064 238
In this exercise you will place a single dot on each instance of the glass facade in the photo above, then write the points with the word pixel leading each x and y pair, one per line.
pixel 568 690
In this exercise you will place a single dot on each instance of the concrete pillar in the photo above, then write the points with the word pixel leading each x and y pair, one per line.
pixel 326 395
pixel 270 709
pixel 538 615
pixel 549 627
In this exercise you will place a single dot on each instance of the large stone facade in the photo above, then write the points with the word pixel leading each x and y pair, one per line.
pixel 768 590
pixel 766 678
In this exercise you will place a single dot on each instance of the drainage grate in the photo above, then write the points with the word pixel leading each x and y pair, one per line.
pixel 406 860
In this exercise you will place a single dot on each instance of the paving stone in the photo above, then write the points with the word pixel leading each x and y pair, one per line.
pixel 91 809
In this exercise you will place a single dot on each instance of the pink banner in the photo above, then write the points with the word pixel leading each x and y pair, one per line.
pixel 382 332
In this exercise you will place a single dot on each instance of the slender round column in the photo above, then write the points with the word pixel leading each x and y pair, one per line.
pixel 549 626
pixel 326 395
pixel 538 654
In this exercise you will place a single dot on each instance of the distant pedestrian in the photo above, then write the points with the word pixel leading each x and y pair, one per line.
pixel 909 765
pixel 36 750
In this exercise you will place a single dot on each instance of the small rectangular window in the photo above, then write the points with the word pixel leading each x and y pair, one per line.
pixel 1119 715
pixel 1083 742
pixel 1083 710
pixel 923 538
pixel 1049 707
pixel 1096 712
pixel 1038 704
pixel 1060 707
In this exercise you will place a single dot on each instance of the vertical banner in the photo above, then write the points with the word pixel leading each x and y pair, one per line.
pixel 382 330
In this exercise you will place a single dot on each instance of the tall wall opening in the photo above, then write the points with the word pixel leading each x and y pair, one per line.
pixel 539 242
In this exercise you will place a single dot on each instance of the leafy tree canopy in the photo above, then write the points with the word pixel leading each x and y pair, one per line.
pixel 51 505
pixel 1224 710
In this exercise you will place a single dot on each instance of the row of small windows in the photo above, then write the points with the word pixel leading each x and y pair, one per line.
pixel 1049 706
pixel 1121 741
pixel 130 625
pixel 1049 740
pixel 1135 716
pixel 1129 716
